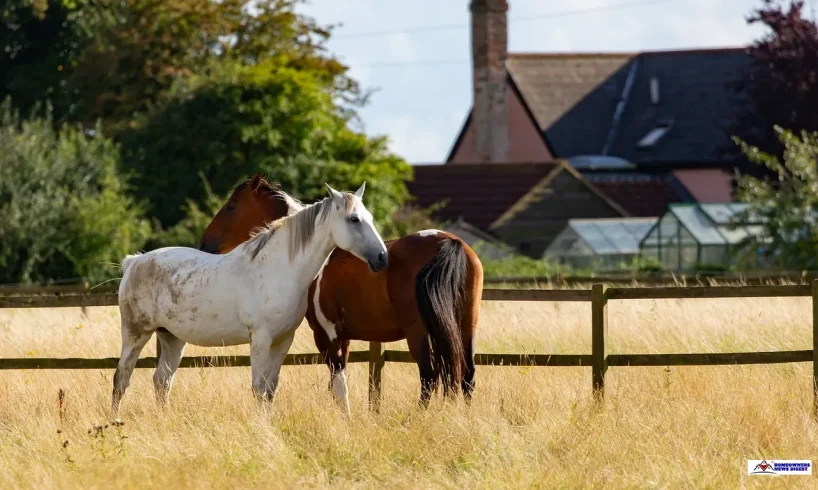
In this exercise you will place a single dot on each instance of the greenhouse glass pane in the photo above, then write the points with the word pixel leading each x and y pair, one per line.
pixel 594 237
pixel 652 239
pixel 670 258
pixel 686 239
pixel 733 235
pixel 714 255
pixel 698 224
pixel 619 237
pixel 689 256
pixel 668 227
pixel 720 213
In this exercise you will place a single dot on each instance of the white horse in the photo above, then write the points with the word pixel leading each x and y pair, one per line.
pixel 255 294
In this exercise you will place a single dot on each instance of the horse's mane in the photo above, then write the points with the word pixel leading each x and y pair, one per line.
pixel 301 226
pixel 274 190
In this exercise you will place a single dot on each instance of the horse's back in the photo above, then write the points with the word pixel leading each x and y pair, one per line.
pixel 411 253
pixel 159 266
pixel 180 289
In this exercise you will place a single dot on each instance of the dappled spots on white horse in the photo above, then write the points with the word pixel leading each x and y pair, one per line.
pixel 255 294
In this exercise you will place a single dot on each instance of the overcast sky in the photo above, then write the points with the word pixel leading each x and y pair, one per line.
pixel 423 78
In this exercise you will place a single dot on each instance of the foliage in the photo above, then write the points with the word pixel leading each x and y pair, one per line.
pixel 519 266
pixel 186 233
pixel 782 83
pixel 42 43
pixel 243 120
pixel 787 206
pixel 62 208
pixel 195 93
pixel 114 60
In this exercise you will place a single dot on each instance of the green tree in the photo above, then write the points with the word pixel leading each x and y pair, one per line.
pixel 116 59
pixel 42 41
pixel 786 205
pixel 241 120
pixel 142 48
pixel 63 209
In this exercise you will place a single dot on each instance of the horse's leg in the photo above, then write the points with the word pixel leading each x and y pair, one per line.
pixel 422 352
pixel 172 350
pixel 471 371
pixel 338 361
pixel 468 327
pixel 266 358
pixel 132 343
pixel 335 354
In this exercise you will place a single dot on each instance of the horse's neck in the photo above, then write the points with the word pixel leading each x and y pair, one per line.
pixel 308 262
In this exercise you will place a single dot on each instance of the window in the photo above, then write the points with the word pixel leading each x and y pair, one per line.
pixel 655 134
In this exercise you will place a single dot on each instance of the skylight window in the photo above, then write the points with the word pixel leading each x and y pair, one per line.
pixel 654 135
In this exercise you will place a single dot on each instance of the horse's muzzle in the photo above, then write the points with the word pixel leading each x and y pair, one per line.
pixel 379 263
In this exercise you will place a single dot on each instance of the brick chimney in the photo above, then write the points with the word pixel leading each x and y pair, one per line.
pixel 489 44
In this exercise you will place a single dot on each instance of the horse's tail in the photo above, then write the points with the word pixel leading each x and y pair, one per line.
pixel 127 262
pixel 439 290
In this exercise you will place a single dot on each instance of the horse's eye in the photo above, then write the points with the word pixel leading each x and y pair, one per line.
pixel 355 219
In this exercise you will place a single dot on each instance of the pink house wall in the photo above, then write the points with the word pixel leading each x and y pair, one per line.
pixel 524 141
pixel 707 185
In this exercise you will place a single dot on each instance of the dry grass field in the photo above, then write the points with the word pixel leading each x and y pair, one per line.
pixel 691 427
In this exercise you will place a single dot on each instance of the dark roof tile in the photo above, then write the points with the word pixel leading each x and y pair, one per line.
pixel 641 194
pixel 478 193
pixel 574 99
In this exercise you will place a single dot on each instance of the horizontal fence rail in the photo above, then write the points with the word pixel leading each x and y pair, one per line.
pixel 701 278
pixel 599 360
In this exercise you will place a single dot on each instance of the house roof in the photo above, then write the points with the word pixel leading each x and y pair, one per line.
pixel 477 193
pixel 639 193
pixel 575 99
pixel 487 237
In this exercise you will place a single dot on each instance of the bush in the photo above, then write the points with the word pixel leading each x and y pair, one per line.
pixel 63 208
pixel 786 207
pixel 243 120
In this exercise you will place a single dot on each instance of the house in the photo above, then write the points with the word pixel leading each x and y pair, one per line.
pixel 663 112
pixel 616 134
pixel 525 205
pixel 607 242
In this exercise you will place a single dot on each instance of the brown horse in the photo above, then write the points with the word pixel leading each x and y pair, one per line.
pixel 431 291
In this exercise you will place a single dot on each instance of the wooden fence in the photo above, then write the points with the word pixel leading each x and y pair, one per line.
pixel 599 360
pixel 761 277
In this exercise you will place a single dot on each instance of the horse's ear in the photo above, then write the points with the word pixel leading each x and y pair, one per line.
pixel 360 192
pixel 335 195
pixel 255 182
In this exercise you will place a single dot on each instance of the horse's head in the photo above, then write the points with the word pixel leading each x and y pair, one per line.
pixel 353 229
pixel 253 204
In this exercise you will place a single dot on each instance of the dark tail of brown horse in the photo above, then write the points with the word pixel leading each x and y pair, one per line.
pixel 439 291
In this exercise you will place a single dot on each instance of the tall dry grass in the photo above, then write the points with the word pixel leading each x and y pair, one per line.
pixel 690 427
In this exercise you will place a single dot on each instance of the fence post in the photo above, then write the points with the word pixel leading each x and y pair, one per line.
pixel 599 336
pixel 376 362
pixel 815 348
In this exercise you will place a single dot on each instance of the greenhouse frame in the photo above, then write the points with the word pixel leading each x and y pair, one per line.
pixel 693 236
pixel 604 242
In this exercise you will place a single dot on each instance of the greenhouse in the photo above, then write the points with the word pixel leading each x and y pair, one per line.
pixel 701 236
pixel 604 242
